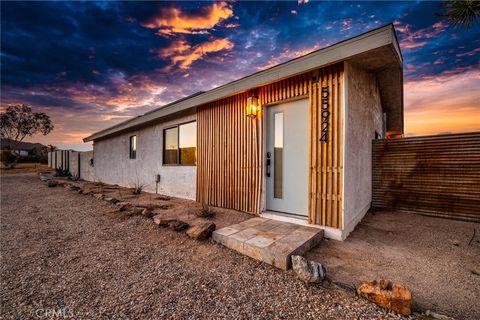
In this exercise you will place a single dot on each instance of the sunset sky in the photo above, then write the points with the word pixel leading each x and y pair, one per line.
pixel 90 65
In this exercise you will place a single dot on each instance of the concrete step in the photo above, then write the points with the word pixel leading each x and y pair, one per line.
pixel 270 241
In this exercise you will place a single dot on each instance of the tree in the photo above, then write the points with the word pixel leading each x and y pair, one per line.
pixel 18 122
pixel 462 12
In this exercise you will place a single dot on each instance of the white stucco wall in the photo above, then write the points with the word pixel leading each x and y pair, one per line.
pixel 58 159
pixel 87 171
pixel 363 116
pixel 73 163
pixel 113 165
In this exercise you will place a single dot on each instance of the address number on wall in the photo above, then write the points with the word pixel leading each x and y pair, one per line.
pixel 325 114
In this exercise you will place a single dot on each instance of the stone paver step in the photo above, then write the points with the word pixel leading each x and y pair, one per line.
pixel 270 241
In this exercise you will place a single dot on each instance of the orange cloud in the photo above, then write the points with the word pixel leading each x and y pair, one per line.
pixel 183 54
pixel 446 103
pixel 173 20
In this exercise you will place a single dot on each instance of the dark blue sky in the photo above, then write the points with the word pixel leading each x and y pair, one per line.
pixel 92 64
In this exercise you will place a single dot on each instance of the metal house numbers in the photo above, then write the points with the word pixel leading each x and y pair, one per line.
pixel 325 114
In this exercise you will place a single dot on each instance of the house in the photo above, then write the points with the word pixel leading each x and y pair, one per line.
pixel 292 142
pixel 23 148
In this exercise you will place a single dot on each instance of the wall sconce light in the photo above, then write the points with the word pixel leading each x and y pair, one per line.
pixel 252 106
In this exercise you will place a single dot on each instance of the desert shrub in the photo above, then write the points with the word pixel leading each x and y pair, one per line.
pixel 138 187
pixel 52 183
pixel 61 172
pixel 206 212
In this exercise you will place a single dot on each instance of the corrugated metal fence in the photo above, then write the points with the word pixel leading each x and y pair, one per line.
pixel 434 175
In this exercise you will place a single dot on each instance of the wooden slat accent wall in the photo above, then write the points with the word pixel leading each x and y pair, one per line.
pixel 437 175
pixel 326 158
pixel 229 173
pixel 230 148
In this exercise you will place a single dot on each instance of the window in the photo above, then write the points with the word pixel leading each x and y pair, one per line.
pixel 278 156
pixel 133 147
pixel 180 144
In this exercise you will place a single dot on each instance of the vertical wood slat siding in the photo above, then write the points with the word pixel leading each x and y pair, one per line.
pixel 326 158
pixel 230 148
pixel 437 175
pixel 228 164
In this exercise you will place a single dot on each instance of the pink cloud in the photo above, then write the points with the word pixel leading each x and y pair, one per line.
pixel 418 38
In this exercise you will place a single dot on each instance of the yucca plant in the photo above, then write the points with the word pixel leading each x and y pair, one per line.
pixel 462 13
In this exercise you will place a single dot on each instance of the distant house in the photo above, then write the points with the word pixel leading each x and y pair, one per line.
pixel 292 142
pixel 24 149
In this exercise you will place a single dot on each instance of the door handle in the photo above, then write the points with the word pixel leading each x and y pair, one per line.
pixel 268 164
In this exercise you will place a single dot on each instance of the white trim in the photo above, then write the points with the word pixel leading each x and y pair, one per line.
pixel 381 37
pixel 331 233
pixel 345 117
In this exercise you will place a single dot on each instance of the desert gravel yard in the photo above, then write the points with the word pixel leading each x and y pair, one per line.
pixel 65 251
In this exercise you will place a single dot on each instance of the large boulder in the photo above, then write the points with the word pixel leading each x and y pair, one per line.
pixel 201 231
pixel 308 271
pixel 387 295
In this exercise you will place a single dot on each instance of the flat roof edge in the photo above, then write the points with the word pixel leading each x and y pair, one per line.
pixel 335 53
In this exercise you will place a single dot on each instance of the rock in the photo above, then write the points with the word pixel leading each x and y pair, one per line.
pixel 308 271
pixel 73 188
pixel 147 212
pixel 173 224
pixel 162 222
pixel 387 295
pixel 178 225
pixel 164 206
pixel 111 200
pixel 80 191
pixel 201 231
pixel 98 195
pixel 123 206
pixel 137 210
pixel 157 218
pixel 44 177
pixel 52 183
pixel 162 197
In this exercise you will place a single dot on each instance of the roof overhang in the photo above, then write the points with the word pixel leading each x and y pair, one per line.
pixel 364 44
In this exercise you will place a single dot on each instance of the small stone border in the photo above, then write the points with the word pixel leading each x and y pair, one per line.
pixel 201 231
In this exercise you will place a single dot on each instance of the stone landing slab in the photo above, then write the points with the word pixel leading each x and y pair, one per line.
pixel 270 241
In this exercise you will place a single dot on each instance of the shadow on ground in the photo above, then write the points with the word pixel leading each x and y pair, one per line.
pixel 435 258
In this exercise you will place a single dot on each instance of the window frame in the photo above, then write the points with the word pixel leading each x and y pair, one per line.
pixel 132 154
pixel 178 164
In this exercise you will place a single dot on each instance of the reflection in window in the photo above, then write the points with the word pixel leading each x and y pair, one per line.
pixel 278 156
pixel 188 143
pixel 170 150
pixel 133 147
pixel 180 144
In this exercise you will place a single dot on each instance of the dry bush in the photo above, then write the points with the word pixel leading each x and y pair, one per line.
pixel 205 212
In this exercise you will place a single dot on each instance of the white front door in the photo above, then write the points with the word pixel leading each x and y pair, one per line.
pixel 287 158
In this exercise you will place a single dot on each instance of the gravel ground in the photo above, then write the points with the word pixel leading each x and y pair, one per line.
pixel 438 260
pixel 64 250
